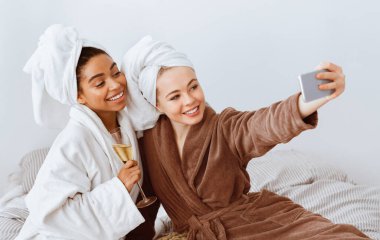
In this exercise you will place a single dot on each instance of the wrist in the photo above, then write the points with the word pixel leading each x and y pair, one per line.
pixel 307 108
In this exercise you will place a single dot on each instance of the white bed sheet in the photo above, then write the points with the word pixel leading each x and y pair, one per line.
pixel 319 188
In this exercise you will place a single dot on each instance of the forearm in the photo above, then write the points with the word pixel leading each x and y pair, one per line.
pixel 306 109
pixel 106 212
pixel 252 134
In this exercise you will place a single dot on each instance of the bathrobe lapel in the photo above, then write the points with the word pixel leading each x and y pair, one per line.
pixel 193 156
pixel 88 118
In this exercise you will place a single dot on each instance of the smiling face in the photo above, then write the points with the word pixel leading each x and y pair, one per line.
pixel 179 95
pixel 102 87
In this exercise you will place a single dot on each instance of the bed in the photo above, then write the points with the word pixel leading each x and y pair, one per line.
pixel 318 187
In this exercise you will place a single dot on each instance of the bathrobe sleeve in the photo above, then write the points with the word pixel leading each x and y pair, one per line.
pixel 252 134
pixel 64 203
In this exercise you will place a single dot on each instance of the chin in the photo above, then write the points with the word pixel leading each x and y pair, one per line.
pixel 121 107
pixel 194 121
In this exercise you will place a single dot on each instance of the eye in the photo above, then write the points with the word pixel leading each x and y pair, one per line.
pixel 194 87
pixel 100 84
pixel 175 97
pixel 117 74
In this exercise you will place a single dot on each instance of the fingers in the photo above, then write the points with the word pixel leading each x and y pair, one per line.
pixel 337 80
pixel 330 66
pixel 130 164
pixel 335 75
pixel 132 177
pixel 332 96
pixel 328 75
pixel 130 174
pixel 135 171
pixel 130 181
pixel 328 86
pixel 338 89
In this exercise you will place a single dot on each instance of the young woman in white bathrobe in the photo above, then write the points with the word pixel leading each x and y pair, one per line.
pixel 82 191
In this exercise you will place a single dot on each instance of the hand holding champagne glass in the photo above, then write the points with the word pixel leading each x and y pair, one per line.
pixel 125 153
pixel 129 175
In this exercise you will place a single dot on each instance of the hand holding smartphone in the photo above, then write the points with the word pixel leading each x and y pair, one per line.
pixel 310 86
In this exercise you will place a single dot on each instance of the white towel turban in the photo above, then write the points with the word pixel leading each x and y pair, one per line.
pixel 141 65
pixel 53 71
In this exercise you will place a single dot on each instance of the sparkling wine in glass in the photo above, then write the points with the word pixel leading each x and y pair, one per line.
pixel 125 153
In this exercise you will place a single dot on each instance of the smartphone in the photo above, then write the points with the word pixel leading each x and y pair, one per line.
pixel 310 86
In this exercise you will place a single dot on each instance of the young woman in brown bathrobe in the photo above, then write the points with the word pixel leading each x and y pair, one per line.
pixel 196 158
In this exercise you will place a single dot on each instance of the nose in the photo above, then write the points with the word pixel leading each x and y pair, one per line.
pixel 113 84
pixel 188 99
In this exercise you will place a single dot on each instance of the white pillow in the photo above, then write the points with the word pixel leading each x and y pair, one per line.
pixel 283 168
pixel 30 165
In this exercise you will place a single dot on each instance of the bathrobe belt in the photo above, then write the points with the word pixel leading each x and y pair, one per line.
pixel 210 225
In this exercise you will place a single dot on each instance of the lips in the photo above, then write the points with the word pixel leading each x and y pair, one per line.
pixel 192 111
pixel 116 97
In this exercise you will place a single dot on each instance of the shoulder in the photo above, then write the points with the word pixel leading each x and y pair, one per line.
pixel 69 151
pixel 75 143
pixel 228 112
pixel 231 114
pixel 74 133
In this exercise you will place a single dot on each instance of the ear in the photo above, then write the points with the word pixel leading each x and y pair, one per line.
pixel 81 99
pixel 158 107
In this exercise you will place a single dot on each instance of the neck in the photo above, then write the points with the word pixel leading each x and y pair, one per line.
pixel 180 130
pixel 109 120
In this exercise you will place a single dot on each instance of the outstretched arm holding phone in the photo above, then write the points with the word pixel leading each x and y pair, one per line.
pixel 337 78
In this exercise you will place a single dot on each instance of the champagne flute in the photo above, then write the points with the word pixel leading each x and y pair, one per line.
pixel 125 153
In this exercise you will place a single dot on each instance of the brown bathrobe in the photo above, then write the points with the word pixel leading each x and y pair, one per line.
pixel 206 193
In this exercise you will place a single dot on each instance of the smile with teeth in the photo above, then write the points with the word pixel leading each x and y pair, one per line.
pixel 192 110
pixel 116 97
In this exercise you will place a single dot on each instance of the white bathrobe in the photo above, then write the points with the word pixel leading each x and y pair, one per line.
pixel 77 194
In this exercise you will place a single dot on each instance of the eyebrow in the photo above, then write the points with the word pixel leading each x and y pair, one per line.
pixel 113 65
pixel 192 80
pixel 101 74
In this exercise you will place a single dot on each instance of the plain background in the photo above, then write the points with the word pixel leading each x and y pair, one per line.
pixel 247 54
